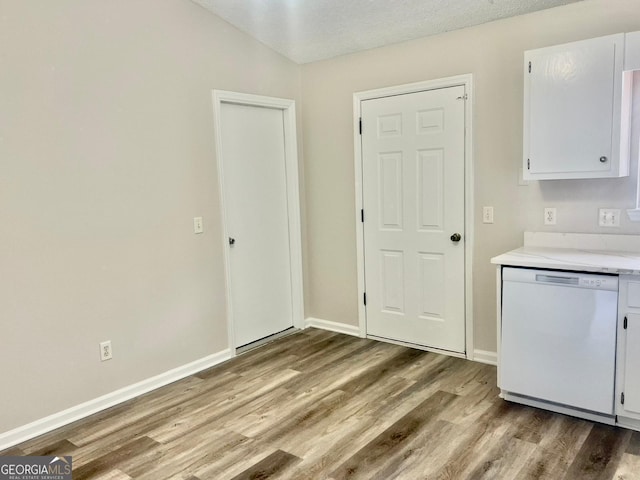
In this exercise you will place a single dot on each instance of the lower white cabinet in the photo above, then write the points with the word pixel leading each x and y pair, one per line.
pixel 628 353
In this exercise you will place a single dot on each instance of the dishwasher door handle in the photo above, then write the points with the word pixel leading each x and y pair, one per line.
pixel 557 279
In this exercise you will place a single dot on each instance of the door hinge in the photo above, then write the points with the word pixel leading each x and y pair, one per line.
pixel 362 215
pixel 624 324
pixel 529 67
pixel 365 298
pixel 528 164
pixel 463 97
pixel 360 123
pixel 622 398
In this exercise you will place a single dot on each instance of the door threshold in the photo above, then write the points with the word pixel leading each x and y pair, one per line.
pixel 417 346
pixel 265 340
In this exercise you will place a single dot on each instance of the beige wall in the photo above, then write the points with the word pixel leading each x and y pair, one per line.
pixel 493 54
pixel 106 155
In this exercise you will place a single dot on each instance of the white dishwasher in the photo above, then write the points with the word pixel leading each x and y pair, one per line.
pixel 558 342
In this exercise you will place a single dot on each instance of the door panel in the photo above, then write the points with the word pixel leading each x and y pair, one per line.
pixel 256 216
pixel 391 190
pixel 430 190
pixel 413 197
pixel 392 281
pixel 431 285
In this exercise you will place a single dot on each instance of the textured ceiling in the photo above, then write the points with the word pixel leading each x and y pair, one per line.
pixel 310 30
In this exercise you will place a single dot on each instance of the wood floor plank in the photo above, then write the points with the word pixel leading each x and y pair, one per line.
pixel 504 460
pixel 112 475
pixel 61 448
pixel 191 413
pixel 364 358
pixel 112 460
pixel 269 467
pixel 536 426
pixel 318 405
pixel 319 435
pixel 326 352
pixel 468 448
pixel 465 410
pixel 188 454
pixel 562 438
pixel 235 461
pixel 628 468
pixel 600 454
pixel 304 417
pixel 128 413
pixel 634 444
pixel 370 458
pixel 430 443
pixel 236 405
pixel 12 452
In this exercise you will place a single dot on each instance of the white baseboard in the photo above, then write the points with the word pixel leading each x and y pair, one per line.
pixel 332 326
pixel 483 356
pixel 46 424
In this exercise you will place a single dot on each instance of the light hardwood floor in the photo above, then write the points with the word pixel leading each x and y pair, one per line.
pixel 321 405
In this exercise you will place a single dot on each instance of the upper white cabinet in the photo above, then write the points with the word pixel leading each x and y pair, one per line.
pixel 632 51
pixel 573 114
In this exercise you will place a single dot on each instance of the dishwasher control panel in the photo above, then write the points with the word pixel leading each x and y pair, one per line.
pixel 604 283
pixel 561 278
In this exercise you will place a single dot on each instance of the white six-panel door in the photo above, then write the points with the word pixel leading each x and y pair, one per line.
pixel 256 216
pixel 413 157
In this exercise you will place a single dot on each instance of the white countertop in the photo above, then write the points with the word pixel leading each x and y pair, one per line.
pixel 602 261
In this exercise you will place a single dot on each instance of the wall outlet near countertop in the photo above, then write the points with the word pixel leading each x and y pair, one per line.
pixel 550 216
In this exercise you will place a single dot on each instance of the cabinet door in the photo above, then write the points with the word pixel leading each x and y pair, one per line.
pixel 631 381
pixel 572 109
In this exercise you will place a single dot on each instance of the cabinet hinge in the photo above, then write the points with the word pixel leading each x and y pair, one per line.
pixel 365 298
pixel 624 324
pixel 529 67
pixel 360 123
pixel 622 398
pixel 528 164
pixel 362 215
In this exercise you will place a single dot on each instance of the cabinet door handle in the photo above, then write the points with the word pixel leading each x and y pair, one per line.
pixel 603 159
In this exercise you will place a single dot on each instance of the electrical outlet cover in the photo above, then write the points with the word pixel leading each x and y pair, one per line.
pixel 550 216
pixel 105 351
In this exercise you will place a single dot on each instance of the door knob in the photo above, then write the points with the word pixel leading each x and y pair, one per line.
pixel 456 237
pixel 232 240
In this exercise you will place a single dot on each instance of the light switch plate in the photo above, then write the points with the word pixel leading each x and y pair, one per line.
pixel 609 217
pixel 197 225
pixel 487 214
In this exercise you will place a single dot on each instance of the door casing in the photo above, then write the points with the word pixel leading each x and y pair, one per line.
pixel 288 108
pixel 358 97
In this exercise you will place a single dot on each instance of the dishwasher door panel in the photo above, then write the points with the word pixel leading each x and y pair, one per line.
pixel 558 344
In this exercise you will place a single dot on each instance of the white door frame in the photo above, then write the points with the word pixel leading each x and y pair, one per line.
pixel 358 98
pixel 288 108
